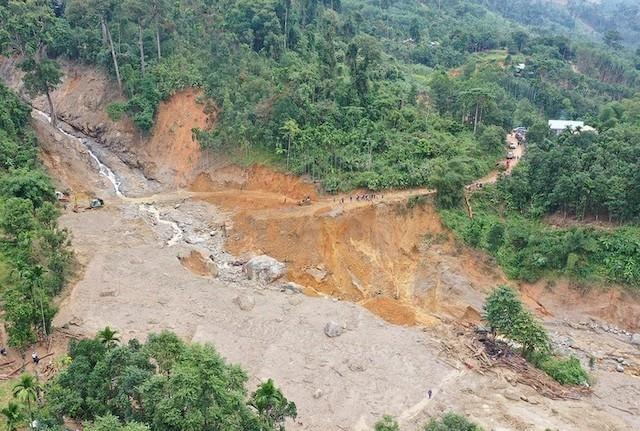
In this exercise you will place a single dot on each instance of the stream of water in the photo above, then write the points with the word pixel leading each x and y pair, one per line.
pixel 108 173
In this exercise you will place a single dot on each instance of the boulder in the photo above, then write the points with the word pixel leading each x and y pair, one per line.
pixel 245 302
pixel 635 339
pixel 264 268
pixel 332 330
pixel 619 368
pixel 295 300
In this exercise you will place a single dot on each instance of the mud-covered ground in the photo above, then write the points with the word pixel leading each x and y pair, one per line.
pixel 166 256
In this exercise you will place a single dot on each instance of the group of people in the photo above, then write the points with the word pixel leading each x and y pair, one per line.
pixel 360 197
pixel 34 356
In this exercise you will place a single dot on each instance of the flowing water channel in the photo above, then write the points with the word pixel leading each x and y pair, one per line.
pixel 108 173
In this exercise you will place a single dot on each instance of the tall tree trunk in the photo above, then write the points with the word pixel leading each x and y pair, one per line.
pixel 141 45
pixel 475 119
pixel 113 53
pixel 52 111
pixel 286 18
pixel 103 26
pixel 44 322
pixel 158 39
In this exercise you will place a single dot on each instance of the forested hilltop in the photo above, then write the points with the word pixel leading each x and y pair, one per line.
pixel 355 93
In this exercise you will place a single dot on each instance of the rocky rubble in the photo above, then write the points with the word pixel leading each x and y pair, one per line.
pixel 264 268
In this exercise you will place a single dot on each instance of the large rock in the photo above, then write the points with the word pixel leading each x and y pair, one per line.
pixel 332 330
pixel 245 302
pixel 635 339
pixel 264 268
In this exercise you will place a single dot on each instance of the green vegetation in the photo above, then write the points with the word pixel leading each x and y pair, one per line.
pixel 387 423
pixel 583 174
pixel 354 93
pixel 575 177
pixel 506 316
pixel 449 422
pixel 528 249
pixel 33 251
pixel 164 384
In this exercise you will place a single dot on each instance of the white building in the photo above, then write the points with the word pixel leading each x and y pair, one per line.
pixel 559 126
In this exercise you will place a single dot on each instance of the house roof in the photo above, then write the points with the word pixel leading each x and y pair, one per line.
pixel 563 124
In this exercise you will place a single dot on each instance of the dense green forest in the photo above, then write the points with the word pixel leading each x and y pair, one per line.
pixel 584 176
pixel 385 94
pixel 355 93
pixel 578 177
pixel 34 256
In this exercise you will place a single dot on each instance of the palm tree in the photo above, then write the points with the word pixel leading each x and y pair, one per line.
pixel 108 337
pixel 26 390
pixel 13 416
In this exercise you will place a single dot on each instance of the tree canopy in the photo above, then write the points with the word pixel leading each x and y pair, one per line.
pixel 163 384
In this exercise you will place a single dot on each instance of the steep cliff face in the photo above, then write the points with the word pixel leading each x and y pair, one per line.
pixel 168 154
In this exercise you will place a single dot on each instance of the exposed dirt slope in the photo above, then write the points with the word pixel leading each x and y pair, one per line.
pixel 382 255
pixel 280 186
pixel 167 154
pixel 171 146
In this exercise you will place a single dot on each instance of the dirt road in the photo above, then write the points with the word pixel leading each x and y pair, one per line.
pixel 518 153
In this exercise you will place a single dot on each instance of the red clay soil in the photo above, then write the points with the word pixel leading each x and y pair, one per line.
pixel 378 253
pixel 172 143
pixel 196 263
pixel 256 178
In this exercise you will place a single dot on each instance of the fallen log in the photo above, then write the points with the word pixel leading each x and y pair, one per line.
pixel 4 364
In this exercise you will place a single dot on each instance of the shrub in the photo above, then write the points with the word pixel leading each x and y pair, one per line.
pixel 451 422
pixel 564 371
pixel 387 423
pixel 415 201
pixel 116 111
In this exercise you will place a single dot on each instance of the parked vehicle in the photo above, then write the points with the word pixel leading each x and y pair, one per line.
pixel 511 155
pixel 513 146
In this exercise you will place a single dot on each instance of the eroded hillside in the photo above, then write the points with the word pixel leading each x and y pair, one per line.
pixel 169 257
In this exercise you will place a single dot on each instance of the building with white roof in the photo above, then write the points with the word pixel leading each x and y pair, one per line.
pixel 559 126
